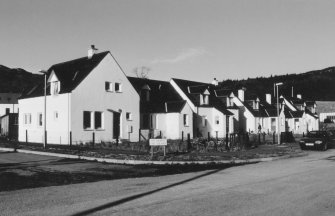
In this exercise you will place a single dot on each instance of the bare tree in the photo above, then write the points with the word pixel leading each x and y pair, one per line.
pixel 142 72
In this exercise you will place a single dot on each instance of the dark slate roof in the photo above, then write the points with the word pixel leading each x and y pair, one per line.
pixel 310 103
pixel 192 90
pixel 163 97
pixel 223 92
pixel 70 74
pixel 310 113
pixel 293 114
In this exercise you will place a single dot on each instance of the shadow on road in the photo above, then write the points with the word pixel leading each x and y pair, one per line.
pixel 130 198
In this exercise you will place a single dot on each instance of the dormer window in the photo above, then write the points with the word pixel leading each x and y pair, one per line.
pixel 55 87
pixel 54 84
pixel 205 99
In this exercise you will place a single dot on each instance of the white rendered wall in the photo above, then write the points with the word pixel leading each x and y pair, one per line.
pixel 186 129
pixel 91 95
pixel 57 128
pixel 211 127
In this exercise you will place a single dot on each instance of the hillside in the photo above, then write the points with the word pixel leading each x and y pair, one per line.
pixel 313 85
pixel 16 79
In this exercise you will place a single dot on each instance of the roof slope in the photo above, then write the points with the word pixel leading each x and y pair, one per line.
pixel 163 97
pixel 70 74
pixel 192 90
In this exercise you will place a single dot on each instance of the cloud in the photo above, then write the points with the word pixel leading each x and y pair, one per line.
pixel 182 56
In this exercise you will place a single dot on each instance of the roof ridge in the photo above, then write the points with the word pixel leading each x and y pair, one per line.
pixel 78 59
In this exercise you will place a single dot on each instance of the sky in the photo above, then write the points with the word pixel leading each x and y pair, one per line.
pixel 187 39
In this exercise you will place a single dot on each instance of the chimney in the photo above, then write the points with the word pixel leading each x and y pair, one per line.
pixel 215 82
pixel 268 98
pixel 299 96
pixel 166 109
pixel 241 94
pixel 91 51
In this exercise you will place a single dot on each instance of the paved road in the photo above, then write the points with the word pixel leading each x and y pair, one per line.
pixel 297 186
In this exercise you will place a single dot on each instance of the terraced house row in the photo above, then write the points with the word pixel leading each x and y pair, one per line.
pixel 91 98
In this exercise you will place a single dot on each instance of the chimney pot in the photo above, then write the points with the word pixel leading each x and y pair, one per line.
pixel 215 82
pixel 91 51
pixel 241 94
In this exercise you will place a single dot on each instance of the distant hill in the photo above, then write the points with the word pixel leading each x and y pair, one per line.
pixel 313 85
pixel 16 79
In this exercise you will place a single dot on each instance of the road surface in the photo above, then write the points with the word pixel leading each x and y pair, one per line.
pixel 296 186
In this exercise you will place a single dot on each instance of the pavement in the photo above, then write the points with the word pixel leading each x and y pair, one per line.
pixel 295 186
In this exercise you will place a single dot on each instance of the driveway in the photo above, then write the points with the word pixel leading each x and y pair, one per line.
pixel 297 186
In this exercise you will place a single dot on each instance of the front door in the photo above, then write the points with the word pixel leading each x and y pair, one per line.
pixel 116 125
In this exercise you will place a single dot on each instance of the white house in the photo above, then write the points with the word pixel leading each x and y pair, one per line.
pixel 163 112
pixel 210 113
pixel 88 99
pixel 301 115
pixel 255 112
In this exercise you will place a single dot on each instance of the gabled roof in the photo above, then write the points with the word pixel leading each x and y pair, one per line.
pixel 193 89
pixel 70 74
pixel 310 113
pixel 310 103
pixel 224 92
pixel 293 114
pixel 163 97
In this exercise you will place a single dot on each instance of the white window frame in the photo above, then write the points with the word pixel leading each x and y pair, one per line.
pixel 204 121
pixel 56 115
pixel 55 88
pixel 91 120
pixel 39 119
pixel 217 120
pixel 129 116
pixel 206 99
pixel 102 123
pixel 27 119
pixel 186 120
pixel 120 87
pixel 110 87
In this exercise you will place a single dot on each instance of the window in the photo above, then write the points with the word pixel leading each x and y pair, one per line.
pixel 87 120
pixel 204 121
pixel 40 119
pixel 296 124
pixel 205 99
pixel 55 87
pixel 27 118
pixel 153 122
pixel 109 86
pixel 7 110
pixel 98 120
pixel 56 115
pixel 129 116
pixel 217 120
pixel 118 87
pixel 273 124
pixel 185 120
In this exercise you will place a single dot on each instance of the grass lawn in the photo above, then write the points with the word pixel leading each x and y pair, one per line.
pixel 19 171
